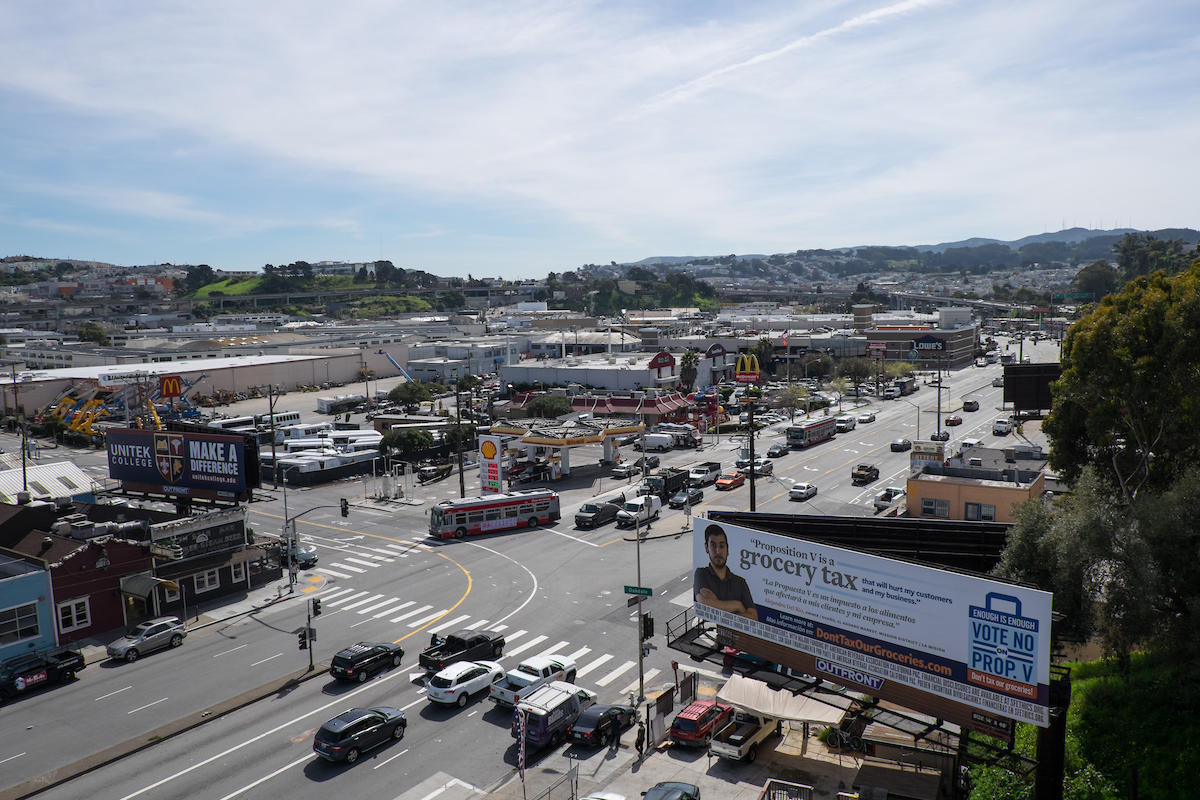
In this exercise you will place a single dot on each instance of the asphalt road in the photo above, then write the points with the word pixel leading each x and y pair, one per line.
pixel 553 589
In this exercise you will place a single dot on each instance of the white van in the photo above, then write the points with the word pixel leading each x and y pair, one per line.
pixel 846 422
pixel 967 444
pixel 655 441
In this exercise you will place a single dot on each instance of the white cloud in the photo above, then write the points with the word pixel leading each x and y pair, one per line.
pixel 772 127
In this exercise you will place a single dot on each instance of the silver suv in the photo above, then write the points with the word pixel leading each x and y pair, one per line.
pixel 151 635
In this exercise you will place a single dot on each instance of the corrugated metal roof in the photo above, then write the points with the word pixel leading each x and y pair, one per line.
pixel 46 481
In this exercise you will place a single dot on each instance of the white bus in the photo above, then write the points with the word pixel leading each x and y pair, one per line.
pixel 238 424
pixel 281 418
pixel 473 515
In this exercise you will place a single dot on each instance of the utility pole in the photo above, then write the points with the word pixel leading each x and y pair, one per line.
pixel 21 422
pixel 271 411
pixel 462 485
pixel 750 434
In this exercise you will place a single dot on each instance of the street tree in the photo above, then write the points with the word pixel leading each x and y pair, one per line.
pixel 1097 279
pixel 687 369
pixel 840 385
pixel 790 399
pixel 405 443
pixel 1125 403
pixel 91 332
pixel 856 370
pixel 410 395
pixel 548 407
pixel 466 439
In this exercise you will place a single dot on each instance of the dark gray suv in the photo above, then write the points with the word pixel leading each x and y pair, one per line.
pixel 350 734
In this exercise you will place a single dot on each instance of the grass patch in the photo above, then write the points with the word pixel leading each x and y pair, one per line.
pixel 230 287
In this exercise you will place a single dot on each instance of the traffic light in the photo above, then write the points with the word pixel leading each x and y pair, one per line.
pixel 345 507
pixel 316 606
pixel 303 639
pixel 647 626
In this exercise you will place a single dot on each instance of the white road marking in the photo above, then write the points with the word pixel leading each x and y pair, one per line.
pixel 443 626
pixel 265 778
pixel 534 642
pixel 552 650
pixel 337 592
pixel 346 599
pixel 593 665
pixel 616 673
pixel 361 561
pixel 427 618
pixel 403 617
pixel 390 760
pixel 156 702
pixel 334 573
pixel 501 628
pixel 265 660
pixel 391 601
pixel 340 565
pixel 574 538
pixel 227 652
pixel 477 624
pixel 362 602
pixel 10 758
pixel 387 611
pixel 645 679
pixel 110 694
pixel 578 654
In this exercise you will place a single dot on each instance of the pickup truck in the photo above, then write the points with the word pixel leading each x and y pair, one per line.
pixel 704 474
pixel 31 670
pixel 740 738
pixel 864 473
pixel 464 645
pixel 531 674
pixel 888 497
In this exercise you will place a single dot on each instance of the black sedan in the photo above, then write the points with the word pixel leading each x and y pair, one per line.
pixel 598 725
pixel 778 450
pixel 352 733
pixel 686 497
pixel 672 790
pixel 900 445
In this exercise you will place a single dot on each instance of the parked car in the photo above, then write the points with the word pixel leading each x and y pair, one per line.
pixel 866 416
pixel 359 661
pixel 900 445
pixel 686 497
pixel 730 479
pixel 672 790
pixel 802 491
pixel 151 635
pixel 598 723
pixel 456 683
pixel 778 450
pixel 696 723
pixel 970 405
pixel 352 733
pixel 954 420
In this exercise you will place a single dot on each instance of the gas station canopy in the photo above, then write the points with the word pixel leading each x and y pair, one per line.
pixel 568 433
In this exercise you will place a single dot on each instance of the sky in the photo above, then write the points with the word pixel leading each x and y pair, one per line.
pixel 510 139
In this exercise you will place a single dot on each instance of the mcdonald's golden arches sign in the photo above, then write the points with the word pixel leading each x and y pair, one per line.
pixel 170 386
pixel 747 369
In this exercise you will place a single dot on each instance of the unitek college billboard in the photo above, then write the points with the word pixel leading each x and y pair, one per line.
pixel 866 621
pixel 177 460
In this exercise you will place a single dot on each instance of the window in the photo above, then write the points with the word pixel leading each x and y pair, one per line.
pixel 511 511
pixel 492 513
pixel 19 623
pixel 73 615
pixel 170 595
pixel 475 516
pixel 980 513
pixel 935 508
pixel 207 581
pixel 239 572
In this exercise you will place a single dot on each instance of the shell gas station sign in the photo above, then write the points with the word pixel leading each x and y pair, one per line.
pixel 491 468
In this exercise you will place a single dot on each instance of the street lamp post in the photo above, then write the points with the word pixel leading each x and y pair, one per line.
pixel 918 410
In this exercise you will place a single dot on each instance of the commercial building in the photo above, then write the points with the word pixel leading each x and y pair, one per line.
pixel 981 485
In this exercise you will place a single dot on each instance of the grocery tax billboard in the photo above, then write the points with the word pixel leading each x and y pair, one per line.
pixel 891 628
pixel 177 460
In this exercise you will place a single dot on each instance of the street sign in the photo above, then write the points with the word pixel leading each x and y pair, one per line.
pixel 642 590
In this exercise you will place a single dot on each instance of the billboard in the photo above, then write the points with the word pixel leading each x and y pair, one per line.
pixel 176 461
pixel 894 629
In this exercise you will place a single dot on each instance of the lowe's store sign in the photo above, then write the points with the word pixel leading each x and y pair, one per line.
pixel 929 344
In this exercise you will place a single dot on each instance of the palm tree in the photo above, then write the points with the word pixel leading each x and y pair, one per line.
pixel 687 369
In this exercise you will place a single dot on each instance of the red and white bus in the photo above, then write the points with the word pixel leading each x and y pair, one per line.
pixel 498 512
pixel 811 431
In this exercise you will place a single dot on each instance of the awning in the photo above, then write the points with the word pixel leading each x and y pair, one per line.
pixel 757 696
pixel 139 586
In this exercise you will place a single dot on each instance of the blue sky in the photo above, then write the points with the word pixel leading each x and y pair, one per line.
pixel 514 138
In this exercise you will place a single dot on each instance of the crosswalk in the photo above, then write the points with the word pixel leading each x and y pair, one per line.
pixel 600 669
pixel 346 563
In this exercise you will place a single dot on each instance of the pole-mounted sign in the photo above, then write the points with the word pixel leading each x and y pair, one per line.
pixel 747 369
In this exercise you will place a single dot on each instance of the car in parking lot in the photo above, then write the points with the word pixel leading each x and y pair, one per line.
pixel 353 732
pixel 866 416
pixel 672 790
pixel 698 721
pixel 598 723
pixel 151 635
pixel 730 479
pixel 900 445
pixel 954 420
pixel 802 491
pixel 778 450
pixel 359 661
pixel 686 497
pixel 456 683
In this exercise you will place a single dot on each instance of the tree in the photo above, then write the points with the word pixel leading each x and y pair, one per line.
pixel 406 443
pixel 91 332
pixel 687 369
pixel 454 299
pixel 467 438
pixel 548 407
pixel 469 383
pixel 410 395
pixel 791 399
pixel 1097 279
pixel 1142 254
pixel 198 277
pixel 764 350
pixel 856 370
pixel 1125 403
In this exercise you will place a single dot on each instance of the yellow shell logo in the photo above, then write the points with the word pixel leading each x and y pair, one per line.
pixel 488 450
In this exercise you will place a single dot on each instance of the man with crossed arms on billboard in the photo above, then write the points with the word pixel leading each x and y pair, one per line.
pixel 715 586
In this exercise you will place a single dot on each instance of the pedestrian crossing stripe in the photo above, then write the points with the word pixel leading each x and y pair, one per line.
pixel 531 643
pixel 403 617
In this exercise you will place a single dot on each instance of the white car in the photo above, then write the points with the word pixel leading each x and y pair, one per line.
pixel 456 683
pixel 866 416
pixel 802 491
pixel 1002 427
